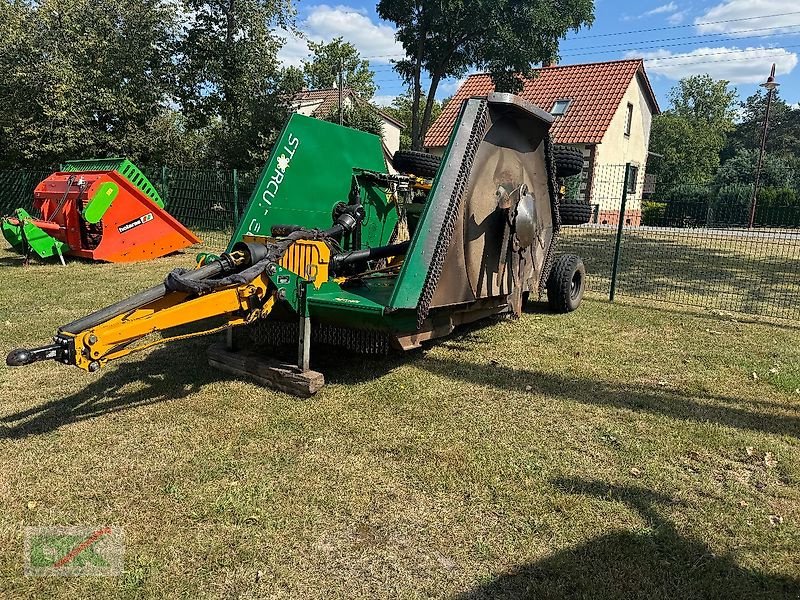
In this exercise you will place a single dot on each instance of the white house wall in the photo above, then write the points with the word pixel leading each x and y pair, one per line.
pixel 617 149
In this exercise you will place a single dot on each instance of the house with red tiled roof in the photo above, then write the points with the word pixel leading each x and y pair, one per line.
pixel 320 103
pixel 605 109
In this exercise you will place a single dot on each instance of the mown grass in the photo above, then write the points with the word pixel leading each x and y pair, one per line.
pixel 616 452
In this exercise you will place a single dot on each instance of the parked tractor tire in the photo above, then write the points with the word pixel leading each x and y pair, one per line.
pixel 566 283
pixel 575 213
pixel 569 161
pixel 421 164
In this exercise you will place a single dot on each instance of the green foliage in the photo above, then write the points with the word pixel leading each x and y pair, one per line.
pixel 685 193
pixel 229 79
pixel 783 138
pixel 401 109
pixel 322 69
pixel 358 115
pixel 691 134
pixel 292 79
pixel 653 213
pixel 95 78
pixel 504 37
pixel 741 168
pixel 82 77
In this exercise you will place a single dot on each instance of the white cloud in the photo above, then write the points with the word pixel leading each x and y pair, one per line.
pixel 664 9
pixel 384 100
pixel 677 18
pixel 323 22
pixel 756 12
pixel 737 65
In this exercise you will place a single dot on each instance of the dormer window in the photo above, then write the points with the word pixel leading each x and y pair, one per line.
pixel 560 107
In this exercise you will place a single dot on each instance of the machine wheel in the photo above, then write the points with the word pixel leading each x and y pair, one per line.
pixel 417 163
pixel 569 161
pixel 566 283
pixel 575 213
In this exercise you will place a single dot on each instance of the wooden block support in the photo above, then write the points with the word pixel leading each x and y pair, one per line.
pixel 266 371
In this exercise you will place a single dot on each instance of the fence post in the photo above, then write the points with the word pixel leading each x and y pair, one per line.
pixel 235 199
pixel 620 224
pixel 164 184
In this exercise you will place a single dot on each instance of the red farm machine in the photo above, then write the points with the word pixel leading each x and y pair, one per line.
pixel 334 249
pixel 102 210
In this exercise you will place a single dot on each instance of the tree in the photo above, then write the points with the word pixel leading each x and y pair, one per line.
pixel 776 172
pixel 322 69
pixel 401 109
pixel 783 138
pixel 445 38
pixel 359 114
pixel 691 134
pixel 229 75
pixel 82 77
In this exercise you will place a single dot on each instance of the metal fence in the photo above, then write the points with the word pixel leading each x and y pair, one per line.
pixel 684 244
pixel 691 245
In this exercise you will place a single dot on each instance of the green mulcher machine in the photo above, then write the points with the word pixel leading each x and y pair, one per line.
pixel 337 249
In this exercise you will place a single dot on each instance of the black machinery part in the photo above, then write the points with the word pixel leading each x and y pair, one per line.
pixel 338 261
pixel 575 213
pixel 566 283
pixel 569 161
pixel 417 163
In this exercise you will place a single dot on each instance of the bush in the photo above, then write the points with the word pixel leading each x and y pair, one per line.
pixel 686 205
pixel 653 213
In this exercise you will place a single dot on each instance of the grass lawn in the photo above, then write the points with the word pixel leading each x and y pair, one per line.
pixel 616 452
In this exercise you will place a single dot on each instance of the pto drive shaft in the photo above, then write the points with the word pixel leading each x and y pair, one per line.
pixel 59 351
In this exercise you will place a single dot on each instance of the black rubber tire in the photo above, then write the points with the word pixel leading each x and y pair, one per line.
pixel 416 163
pixel 569 161
pixel 566 283
pixel 574 213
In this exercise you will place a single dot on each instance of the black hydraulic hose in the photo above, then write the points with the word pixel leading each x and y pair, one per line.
pixel 355 256
pixel 138 300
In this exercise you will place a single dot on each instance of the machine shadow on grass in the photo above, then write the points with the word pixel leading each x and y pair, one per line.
pixel 158 377
pixel 700 408
pixel 656 563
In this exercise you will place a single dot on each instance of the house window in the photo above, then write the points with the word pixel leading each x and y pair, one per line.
pixel 559 107
pixel 628 120
pixel 633 176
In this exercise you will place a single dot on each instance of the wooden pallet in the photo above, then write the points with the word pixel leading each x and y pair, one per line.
pixel 266 371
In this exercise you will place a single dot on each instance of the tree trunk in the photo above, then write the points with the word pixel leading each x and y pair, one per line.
pixel 229 108
pixel 417 92
pixel 426 118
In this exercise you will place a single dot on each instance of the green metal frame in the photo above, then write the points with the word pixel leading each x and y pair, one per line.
pixel 124 167
pixel 26 236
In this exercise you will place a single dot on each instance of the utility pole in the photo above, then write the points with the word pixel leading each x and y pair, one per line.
pixel 771 85
pixel 341 91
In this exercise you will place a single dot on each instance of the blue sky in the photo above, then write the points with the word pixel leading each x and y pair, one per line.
pixel 736 40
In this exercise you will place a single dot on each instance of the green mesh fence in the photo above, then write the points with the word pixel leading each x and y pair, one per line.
pixel 16 189
pixel 692 244
pixel 680 244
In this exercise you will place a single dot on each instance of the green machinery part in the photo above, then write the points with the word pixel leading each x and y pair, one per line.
pixel 27 236
pixel 124 167
pixel 312 168
pixel 100 202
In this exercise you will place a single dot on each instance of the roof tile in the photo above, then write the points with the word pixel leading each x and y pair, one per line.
pixel 595 91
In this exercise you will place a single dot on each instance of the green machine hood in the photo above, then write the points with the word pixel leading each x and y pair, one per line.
pixel 310 170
